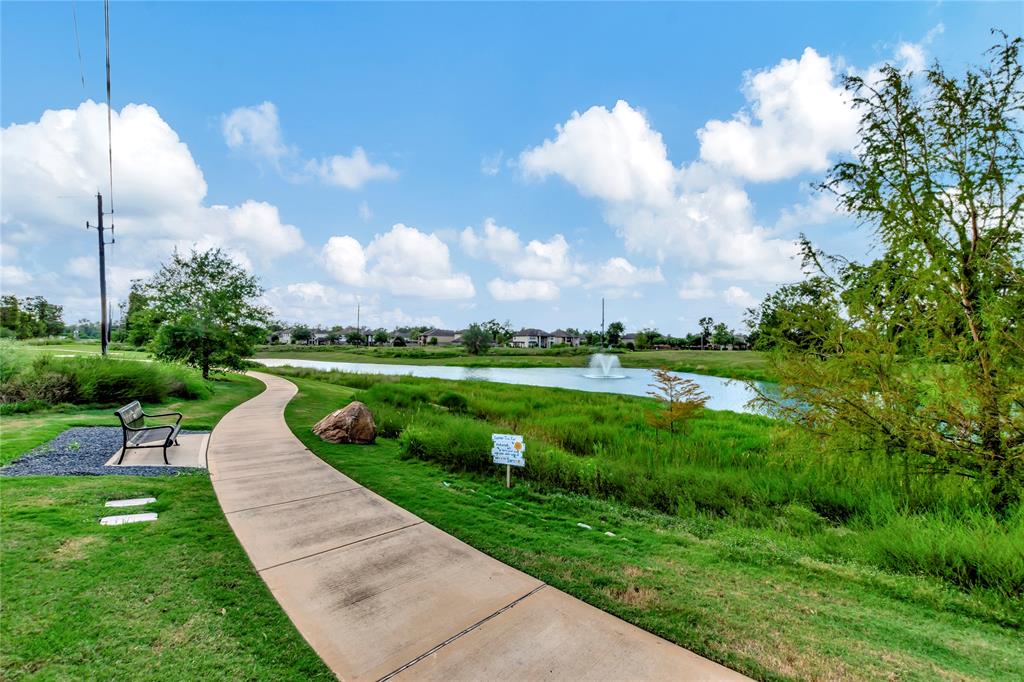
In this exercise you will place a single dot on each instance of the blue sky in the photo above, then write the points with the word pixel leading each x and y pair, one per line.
pixel 424 159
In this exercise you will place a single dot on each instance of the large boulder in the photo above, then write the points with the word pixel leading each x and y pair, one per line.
pixel 351 424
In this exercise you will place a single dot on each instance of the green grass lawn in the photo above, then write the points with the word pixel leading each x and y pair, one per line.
pixel 80 348
pixel 768 600
pixel 732 364
pixel 176 599
pixel 22 432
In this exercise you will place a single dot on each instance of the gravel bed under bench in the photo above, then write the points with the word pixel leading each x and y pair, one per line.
pixel 83 451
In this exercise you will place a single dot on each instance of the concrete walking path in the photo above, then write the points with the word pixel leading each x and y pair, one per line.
pixel 379 593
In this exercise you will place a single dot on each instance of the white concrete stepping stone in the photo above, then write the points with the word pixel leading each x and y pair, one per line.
pixel 127 518
pixel 134 502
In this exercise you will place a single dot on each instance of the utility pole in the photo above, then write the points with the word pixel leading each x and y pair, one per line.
pixel 602 322
pixel 359 326
pixel 104 320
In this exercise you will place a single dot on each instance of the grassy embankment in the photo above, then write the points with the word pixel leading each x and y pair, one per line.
pixel 172 600
pixel 729 542
pixel 730 364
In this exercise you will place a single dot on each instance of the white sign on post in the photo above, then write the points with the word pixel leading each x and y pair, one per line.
pixel 509 450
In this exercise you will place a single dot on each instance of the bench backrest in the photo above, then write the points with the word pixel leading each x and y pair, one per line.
pixel 131 415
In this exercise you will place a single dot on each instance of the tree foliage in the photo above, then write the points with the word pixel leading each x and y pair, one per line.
pixel 680 400
pixel 476 340
pixel 500 332
pixel 798 316
pixel 927 362
pixel 615 332
pixel 31 316
pixel 210 310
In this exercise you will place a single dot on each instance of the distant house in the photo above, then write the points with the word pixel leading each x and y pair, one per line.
pixel 280 336
pixel 564 337
pixel 402 339
pixel 628 338
pixel 530 338
pixel 445 337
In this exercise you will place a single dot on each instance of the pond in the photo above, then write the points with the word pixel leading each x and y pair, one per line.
pixel 725 394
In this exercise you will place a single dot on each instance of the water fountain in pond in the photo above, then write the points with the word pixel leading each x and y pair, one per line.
pixel 604 366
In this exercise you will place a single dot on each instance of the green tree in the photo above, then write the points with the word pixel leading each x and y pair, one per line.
pixel 209 304
pixel 476 340
pixel 706 324
pixel 721 335
pixel 928 364
pixel 615 332
pixel 302 334
pixel 646 338
pixel 500 332
pixel 797 316
pixel 380 336
pixel 45 318
pixel 10 313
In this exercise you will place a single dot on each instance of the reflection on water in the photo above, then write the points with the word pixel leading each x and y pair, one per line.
pixel 725 394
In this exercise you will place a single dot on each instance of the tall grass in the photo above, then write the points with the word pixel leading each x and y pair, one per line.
pixel 753 470
pixel 48 380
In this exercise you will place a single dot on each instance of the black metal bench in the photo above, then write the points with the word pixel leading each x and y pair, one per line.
pixel 138 435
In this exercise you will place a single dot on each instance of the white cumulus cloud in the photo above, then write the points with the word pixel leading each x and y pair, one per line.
pixel 257 130
pixel 800 115
pixel 696 287
pixel 523 290
pixel 739 297
pixel 403 261
pixel 612 155
pixel 350 172
pixel 696 215
pixel 51 169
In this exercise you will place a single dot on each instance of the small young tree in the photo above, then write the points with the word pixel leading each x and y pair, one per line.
pixel 432 341
pixel 302 334
pixel 209 304
pixel 680 400
pixel 355 338
pixel 476 340
pixel 380 337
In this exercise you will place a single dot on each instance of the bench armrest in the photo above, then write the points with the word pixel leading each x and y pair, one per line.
pixel 165 414
pixel 170 429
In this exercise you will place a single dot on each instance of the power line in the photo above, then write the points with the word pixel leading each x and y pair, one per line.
pixel 78 44
pixel 110 143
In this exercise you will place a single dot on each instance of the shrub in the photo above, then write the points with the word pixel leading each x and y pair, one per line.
pixel 972 551
pixel 95 380
pixel 455 443
pixel 454 402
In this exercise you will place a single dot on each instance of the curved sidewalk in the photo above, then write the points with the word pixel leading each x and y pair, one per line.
pixel 380 593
